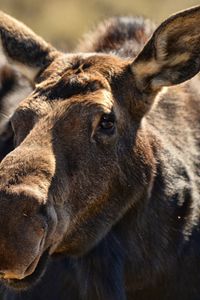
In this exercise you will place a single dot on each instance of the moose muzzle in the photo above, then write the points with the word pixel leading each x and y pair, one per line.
pixel 24 184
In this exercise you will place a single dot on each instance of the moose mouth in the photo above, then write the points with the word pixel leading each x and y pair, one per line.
pixel 30 280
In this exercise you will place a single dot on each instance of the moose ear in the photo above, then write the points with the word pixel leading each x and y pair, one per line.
pixel 23 48
pixel 172 55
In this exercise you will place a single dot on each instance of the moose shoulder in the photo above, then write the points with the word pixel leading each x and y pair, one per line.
pixel 106 165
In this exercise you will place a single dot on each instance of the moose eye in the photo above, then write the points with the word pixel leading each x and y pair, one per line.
pixel 107 123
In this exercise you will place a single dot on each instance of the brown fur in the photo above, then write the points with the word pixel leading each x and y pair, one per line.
pixel 106 165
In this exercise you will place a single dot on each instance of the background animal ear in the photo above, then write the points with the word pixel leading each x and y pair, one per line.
pixel 23 48
pixel 172 55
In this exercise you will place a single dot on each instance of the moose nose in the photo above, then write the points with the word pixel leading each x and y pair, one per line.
pixel 22 269
pixel 24 185
pixel 20 273
pixel 22 237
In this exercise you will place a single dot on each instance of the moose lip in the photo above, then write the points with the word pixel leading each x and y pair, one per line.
pixel 26 282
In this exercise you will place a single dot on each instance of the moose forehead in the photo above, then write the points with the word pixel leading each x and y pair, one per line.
pixel 76 76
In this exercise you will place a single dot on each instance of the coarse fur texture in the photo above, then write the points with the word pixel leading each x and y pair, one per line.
pixel 106 166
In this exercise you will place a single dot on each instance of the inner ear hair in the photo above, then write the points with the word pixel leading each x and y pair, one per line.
pixel 172 55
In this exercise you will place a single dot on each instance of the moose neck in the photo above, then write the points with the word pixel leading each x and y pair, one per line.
pixel 147 243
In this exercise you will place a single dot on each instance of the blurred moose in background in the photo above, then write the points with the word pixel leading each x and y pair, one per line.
pixel 13 88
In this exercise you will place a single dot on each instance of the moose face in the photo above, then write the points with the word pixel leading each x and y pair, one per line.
pixel 83 155
pixel 67 173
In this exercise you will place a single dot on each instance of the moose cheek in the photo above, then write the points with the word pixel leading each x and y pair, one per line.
pixel 106 137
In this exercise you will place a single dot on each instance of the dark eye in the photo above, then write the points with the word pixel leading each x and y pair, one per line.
pixel 107 123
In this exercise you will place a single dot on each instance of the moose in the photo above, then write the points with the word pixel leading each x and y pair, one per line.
pixel 13 88
pixel 105 168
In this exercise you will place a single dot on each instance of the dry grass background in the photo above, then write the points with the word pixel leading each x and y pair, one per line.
pixel 62 22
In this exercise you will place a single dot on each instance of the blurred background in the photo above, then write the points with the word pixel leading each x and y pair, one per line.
pixel 63 22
